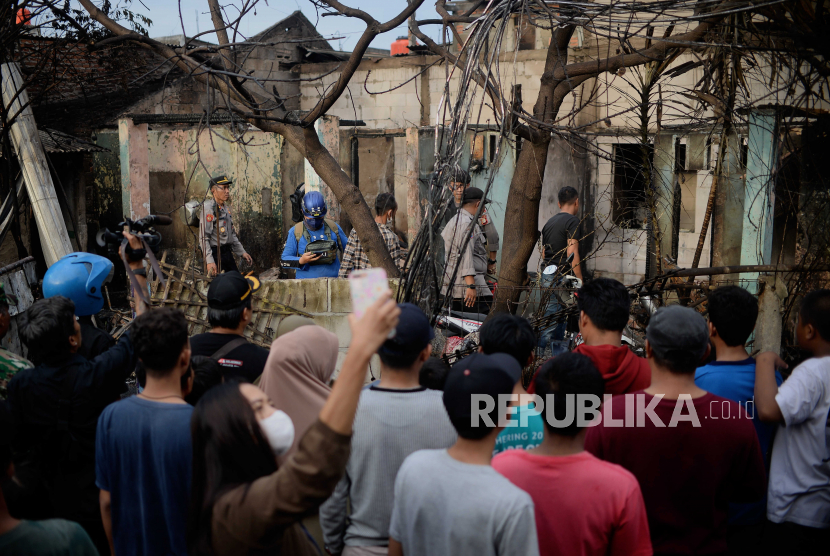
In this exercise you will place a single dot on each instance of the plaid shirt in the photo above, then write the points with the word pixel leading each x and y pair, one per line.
pixel 354 257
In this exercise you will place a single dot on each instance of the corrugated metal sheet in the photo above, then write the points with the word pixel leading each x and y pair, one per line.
pixel 58 142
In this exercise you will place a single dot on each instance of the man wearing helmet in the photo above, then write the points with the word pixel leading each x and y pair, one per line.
pixel 316 244
pixel 80 277
pixel 218 224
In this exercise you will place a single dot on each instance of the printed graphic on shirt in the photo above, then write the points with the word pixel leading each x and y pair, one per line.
pixel 236 363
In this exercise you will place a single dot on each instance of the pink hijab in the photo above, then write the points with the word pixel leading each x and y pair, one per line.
pixel 297 373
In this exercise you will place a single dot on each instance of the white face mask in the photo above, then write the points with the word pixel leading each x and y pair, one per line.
pixel 279 431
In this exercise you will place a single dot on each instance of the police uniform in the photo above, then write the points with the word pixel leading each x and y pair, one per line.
pixel 471 262
pixel 230 245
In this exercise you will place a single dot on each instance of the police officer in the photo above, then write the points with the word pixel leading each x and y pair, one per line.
pixel 470 291
pixel 458 183
pixel 217 220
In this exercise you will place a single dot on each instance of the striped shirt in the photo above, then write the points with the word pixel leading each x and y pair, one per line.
pixel 389 425
pixel 354 257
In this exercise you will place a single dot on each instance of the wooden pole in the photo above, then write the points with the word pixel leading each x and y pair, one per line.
pixel 135 169
pixel 24 135
pixel 413 205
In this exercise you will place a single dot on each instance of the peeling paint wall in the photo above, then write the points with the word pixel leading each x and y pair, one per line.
pixel 253 163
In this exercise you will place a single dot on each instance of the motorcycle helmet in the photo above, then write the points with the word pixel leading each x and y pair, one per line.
pixel 314 209
pixel 79 277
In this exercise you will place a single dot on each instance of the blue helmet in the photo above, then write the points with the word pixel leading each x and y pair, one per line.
pixel 314 209
pixel 80 277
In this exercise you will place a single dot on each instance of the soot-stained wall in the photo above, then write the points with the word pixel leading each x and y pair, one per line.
pixel 181 163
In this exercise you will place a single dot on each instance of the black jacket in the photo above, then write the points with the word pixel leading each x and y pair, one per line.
pixel 56 418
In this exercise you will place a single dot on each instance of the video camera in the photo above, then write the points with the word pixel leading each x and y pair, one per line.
pixel 142 228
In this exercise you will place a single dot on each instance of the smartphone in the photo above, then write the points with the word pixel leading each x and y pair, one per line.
pixel 367 286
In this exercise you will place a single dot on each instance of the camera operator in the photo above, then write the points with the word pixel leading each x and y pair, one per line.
pixel 56 405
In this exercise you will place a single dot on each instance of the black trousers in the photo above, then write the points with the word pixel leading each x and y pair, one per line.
pixel 228 262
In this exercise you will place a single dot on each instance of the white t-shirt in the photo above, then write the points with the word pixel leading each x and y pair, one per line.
pixel 799 483
pixel 444 507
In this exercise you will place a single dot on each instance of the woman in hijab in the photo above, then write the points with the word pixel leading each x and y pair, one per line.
pixel 242 502
pixel 297 374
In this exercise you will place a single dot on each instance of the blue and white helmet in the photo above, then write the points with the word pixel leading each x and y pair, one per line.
pixel 314 209
pixel 80 277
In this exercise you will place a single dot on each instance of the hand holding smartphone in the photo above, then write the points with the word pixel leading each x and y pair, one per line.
pixel 366 287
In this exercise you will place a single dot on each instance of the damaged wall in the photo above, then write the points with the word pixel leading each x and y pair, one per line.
pixel 180 167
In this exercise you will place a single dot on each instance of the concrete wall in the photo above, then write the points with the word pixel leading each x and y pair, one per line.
pixel 181 161
pixel 329 302
pixel 621 253
pixel 416 102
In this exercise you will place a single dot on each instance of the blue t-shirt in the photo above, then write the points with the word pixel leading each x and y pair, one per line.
pixel 142 457
pixel 294 249
pixel 526 437
pixel 735 380
pixel 50 537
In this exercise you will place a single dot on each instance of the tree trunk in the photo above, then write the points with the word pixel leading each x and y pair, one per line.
pixel 521 219
pixel 351 200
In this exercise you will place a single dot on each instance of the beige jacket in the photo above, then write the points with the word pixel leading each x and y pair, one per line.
pixel 263 517
pixel 472 262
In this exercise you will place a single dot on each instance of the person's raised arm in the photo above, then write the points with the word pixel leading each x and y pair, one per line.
pixel 368 334
pixel 135 244
pixel 766 387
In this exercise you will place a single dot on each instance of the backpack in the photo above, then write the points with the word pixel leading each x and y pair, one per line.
pixel 296 203
pixel 324 247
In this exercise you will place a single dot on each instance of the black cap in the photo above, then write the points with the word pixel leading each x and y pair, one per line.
pixel 479 373
pixel 412 334
pixel 473 194
pixel 677 329
pixel 231 290
pixel 220 180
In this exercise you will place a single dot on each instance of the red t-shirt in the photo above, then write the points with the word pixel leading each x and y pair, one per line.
pixel 688 474
pixel 584 506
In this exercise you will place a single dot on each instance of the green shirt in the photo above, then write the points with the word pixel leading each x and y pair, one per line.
pixel 526 437
pixel 10 364
pixel 52 537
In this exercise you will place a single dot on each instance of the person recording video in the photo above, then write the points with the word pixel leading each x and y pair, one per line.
pixel 315 246
pixel 56 406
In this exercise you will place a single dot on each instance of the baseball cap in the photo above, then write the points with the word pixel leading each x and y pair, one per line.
pixel 677 329
pixel 231 290
pixel 412 334
pixel 473 194
pixel 220 180
pixel 482 374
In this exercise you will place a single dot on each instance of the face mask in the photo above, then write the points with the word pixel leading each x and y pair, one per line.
pixel 279 430
pixel 314 224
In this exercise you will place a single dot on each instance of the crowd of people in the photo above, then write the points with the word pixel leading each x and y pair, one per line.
pixel 229 449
